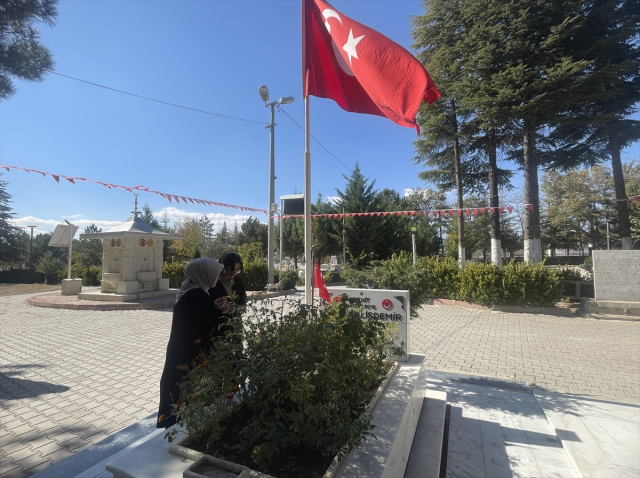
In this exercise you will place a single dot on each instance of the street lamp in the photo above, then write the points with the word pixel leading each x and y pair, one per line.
pixel 31 248
pixel 285 100
pixel 414 229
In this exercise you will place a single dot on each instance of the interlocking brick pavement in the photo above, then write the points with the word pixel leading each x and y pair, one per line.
pixel 600 358
pixel 70 378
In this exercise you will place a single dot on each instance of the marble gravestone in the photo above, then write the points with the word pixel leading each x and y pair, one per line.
pixel 617 275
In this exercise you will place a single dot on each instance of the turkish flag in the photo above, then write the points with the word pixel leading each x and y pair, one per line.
pixel 319 283
pixel 360 69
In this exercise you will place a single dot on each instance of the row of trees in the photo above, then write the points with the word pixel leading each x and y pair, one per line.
pixel 545 84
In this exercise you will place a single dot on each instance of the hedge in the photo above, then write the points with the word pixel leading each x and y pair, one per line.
pixel 514 283
pixel 21 276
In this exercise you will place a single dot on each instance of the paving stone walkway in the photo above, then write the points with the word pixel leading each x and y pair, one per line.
pixel 70 378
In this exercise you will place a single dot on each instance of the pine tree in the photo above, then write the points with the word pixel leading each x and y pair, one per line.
pixel 364 236
pixel 10 249
pixel 22 56
pixel 148 217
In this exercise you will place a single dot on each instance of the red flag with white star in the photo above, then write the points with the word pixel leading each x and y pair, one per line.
pixel 359 68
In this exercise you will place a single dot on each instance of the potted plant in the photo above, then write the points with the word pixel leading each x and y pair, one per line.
pixel 286 390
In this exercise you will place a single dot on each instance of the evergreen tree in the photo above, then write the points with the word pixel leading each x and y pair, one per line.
pixel 598 126
pixel 364 237
pixel 49 265
pixel 292 238
pixel 148 217
pixel 325 241
pixel 252 230
pixel 22 56
pixel 10 248
pixel 88 252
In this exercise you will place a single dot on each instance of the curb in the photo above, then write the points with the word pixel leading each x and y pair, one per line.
pixel 518 309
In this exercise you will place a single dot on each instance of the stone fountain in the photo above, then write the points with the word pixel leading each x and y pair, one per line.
pixel 132 259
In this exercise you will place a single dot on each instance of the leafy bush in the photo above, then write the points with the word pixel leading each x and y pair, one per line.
pixel 92 276
pixel 514 283
pixel 175 272
pixel 21 276
pixel 297 389
pixel 49 266
pixel 289 280
pixel 255 273
pixel 332 276
pixel 568 273
pixel 396 273
pixel 588 264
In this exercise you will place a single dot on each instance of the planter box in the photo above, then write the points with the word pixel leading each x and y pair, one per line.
pixel 179 450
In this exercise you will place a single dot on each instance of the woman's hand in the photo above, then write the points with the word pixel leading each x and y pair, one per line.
pixel 223 305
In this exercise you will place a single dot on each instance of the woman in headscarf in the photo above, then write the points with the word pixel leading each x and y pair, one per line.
pixel 195 320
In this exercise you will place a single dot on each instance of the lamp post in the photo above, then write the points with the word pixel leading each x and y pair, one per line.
pixel 344 241
pixel 608 245
pixel 31 248
pixel 264 95
pixel 414 229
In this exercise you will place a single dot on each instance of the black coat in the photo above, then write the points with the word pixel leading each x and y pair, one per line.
pixel 194 317
pixel 237 287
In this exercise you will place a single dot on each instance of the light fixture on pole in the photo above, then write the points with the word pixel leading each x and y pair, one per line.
pixel 414 230
pixel 285 100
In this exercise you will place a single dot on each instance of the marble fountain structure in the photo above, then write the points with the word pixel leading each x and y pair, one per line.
pixel 132 259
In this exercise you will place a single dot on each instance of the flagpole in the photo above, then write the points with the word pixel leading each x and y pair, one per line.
pixel 308 260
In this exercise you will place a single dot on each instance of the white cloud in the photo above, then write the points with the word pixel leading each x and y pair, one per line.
pixel 408 192
pixel 217 219
pixel 48 225
pixel 173 214
pixel 333 199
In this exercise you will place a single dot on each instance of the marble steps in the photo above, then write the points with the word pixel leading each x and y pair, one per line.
pixel 601 439
pixel 496 429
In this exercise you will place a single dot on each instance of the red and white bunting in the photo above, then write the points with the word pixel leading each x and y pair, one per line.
pixel 169 197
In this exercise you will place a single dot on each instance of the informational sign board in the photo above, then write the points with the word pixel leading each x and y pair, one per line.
pixel 293 204
pixel 63 235
pixel 387 305
pixel 617 275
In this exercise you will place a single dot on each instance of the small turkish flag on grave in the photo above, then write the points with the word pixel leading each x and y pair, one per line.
pixel 359 68
pixel 319 283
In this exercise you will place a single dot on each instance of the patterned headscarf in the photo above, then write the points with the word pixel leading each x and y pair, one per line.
pixel 202 273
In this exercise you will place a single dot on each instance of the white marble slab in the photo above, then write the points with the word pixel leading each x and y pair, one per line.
pixel 601 438
pixel 499 433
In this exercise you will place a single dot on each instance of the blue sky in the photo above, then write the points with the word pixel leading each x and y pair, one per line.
pixel 209 55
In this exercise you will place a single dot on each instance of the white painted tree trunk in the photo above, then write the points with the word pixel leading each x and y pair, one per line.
pixel 496 251
pixel 627 243
pixel 533 250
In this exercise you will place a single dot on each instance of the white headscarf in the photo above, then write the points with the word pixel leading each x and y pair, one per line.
pixel 201 274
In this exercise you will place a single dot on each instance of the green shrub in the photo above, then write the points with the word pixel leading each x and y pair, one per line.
pixel 568 273
pixel 92 276
pixel 282 389
pixel 289 280
pixel 175 272
pixel 514 283
pixel 396 273
pixel 332 276
pixel 255 273
pixel 588 264
pixel 21 276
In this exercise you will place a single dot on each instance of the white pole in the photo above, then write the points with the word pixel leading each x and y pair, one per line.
pixel 70 254
pixel 413 243
pixel 272 167
pixel 281 239
pixel 308 265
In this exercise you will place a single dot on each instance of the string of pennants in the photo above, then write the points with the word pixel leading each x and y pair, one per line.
pixel 635 200
pixel 435 212
pixel 131 189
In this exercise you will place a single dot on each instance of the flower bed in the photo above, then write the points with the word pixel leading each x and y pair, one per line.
pixel 284 393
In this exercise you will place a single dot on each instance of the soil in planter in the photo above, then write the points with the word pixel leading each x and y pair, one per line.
pixel 211 471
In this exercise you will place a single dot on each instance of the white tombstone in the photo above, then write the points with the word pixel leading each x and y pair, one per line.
pixel 616 275
pixel 132 260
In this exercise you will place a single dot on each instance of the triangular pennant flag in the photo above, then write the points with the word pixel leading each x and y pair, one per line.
pixel 191 200
pixel 475 212
pixel 167 196
pixel 36 171
pixel 442 213
pixel 435 213
pixel 176 198
pixel 501 209
pixel 56 177
pixel 459 211
pixel 184 199
pixel 510 209
pixel 128 189
pixel 68 179
pixel 482 210
pixel 16 167
pixel 419 213
pixel 492 209
pixel 467 212
pixel 5 167
pixel 82 179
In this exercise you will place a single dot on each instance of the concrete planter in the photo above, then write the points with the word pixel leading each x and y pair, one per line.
pixel 203 460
